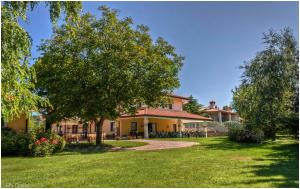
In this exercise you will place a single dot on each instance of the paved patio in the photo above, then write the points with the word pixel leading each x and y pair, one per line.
pixel 160 145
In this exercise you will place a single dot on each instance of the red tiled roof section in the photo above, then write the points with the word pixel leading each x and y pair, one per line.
pixel 177 96
pixel 167 113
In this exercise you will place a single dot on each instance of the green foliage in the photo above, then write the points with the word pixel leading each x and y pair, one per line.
pixel 17 77
pixel 41 148
pixel 45 143
pixel 103 67
pixel 269 85
pixel 40 132
pixel 61 143
pixel 193 106
pixel 240 133
pixel 226 107
pixel 35 122
pixel 13 143
pixel 36 143
pixel 290 124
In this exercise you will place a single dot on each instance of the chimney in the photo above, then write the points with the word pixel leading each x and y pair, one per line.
pixel 212 104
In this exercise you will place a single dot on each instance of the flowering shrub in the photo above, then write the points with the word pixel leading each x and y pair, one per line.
pixel 37 143
pixel 42 147
pixel 46 143
pixel 58 142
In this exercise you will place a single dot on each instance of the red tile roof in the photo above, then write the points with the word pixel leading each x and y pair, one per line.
pixel 177 96
pixel 158 112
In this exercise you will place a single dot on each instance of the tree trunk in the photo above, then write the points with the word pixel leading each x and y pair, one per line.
pixel 48 124
pixel 99 125
pixel 2 122
pixel 26 125
pixel 273 133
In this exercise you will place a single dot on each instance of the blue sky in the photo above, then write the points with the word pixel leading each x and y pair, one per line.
pixel 215 37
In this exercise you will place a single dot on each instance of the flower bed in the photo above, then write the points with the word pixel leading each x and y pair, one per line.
pixel 36 143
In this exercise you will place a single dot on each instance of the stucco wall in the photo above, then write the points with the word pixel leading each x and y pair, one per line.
pixel 165 125
pixel 67 127
pixel 177 104
pixel 19 124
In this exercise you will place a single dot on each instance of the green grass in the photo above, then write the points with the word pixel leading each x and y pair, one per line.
pixel 216 162
pixel 91 148
pixel 124 143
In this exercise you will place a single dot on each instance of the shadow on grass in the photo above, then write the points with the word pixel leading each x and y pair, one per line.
pixel 281 165
pixel 284 162
pixel 217 143
pixel 89 148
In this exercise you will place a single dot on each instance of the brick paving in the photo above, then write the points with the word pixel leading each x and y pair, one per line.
pixel 160 145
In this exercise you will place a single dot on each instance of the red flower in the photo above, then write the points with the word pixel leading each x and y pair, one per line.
pixel 43 139
pixel 37 142
pixel 54 142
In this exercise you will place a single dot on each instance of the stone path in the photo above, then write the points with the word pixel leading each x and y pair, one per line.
pixel 160 145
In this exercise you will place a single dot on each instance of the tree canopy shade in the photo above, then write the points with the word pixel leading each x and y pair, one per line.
pixel 104 67
pixel 17 77
pixel 269 89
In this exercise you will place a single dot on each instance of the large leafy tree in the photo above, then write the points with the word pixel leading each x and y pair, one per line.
pixel 104 67
pixel 17 77
pixel 269 88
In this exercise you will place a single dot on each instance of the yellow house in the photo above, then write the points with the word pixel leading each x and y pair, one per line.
pixel 19 124
pixel 75 130
pixel 151 120
pixel 145 122
pixel 24 123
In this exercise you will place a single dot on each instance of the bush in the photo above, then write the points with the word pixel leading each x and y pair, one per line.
pixel 42 147
pixel 41 133
pixel 46 143
pixel 8 142
pixel 13 143
pixel 23 140
pixel 59 142
pixel 289 124
pixel 36 143
pixel 240 133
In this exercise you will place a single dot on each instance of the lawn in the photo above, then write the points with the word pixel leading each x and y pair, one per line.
pixel 124 144
pixel 87 148
pixel 216 162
